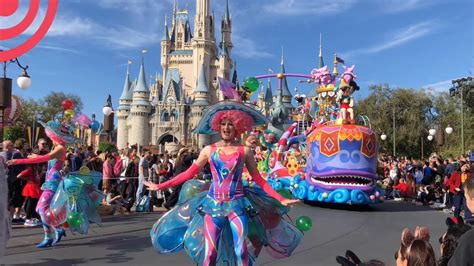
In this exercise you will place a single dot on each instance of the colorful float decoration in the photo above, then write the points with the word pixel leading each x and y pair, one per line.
pixel 334 159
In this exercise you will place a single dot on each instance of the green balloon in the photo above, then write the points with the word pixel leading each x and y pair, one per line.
pixel 74 219
pixel 284 193
pixel 251 84
pixel 304 223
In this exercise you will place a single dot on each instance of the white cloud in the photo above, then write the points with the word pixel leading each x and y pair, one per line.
pixel 117 37
pixel 135 6
pixel 127 38
pixel 72 26
pixel 397 6
pixel 398 38
pixel 57 48
pixel 308 7
pixel 438 87
pixel 247 48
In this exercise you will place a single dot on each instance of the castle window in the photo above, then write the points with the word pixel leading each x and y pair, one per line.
pixel 174 116
pixel 165 116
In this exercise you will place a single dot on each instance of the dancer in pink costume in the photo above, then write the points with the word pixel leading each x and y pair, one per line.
pixel 230 223
pixel 60 134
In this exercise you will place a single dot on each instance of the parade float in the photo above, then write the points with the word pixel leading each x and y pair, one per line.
pixel 326 154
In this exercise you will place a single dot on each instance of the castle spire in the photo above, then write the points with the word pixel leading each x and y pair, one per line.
pixel 227 13
pixel 235 79
pixel 141 83
pixel 202 84
pixel 268 93
pixel 282 60
pixel 175 10
pixel 166 34
pixel 321 61
pixel 285 92
pixel 126 86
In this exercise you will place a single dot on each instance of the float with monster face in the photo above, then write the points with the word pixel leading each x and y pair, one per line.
pixel 335 159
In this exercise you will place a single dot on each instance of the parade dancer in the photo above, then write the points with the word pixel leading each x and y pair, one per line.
pixel 52 219
pixel 226 223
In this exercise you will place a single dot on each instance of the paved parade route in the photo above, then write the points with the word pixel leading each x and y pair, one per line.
pixel 372 232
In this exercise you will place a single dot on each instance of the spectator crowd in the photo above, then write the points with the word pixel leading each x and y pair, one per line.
pixel 123 174
pixel 445 184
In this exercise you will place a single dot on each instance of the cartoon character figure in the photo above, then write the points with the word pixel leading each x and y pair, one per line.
pixel 327 105
pixel 346 88
pixel 346 103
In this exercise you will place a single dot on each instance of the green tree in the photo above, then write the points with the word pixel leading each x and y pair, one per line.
pixel 13 133
pixel 51 105
pixel 411 110
pixel 29 111
pixel 107 147
pixel 48 108
pixel 448 112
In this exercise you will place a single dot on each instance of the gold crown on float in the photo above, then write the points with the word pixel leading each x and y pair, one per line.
pixel 327 88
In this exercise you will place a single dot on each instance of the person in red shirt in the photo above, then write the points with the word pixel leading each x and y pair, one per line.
pixel 455 190
pixel 400 190
pixel 31 192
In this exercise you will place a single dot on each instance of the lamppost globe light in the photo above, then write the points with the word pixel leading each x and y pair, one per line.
pixel 430 137
pixel 107 110
pixel 449 130
pixel 383 137
pixel 24 81
pixel 432 132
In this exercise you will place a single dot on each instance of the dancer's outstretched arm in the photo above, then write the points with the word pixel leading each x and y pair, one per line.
pixel 56 153
pixel 184 176
pixel 252 168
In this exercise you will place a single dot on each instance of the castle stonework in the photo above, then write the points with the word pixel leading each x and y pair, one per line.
pixel 165 113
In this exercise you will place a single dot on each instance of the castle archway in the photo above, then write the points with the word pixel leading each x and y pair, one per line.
pixel 168 142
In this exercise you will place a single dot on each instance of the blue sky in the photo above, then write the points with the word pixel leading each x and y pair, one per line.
pixel 407 43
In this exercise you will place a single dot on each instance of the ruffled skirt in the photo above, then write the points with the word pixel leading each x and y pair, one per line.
pixel 183 226
pixel 75 201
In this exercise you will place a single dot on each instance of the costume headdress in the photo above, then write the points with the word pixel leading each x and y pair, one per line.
pixel 60 131
pixel 205 125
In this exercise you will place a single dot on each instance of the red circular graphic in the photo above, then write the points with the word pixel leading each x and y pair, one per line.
pixel 18 29
pixel 8 7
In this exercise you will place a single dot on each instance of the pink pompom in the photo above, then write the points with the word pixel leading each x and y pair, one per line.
pixel 372 197
pixel 83 120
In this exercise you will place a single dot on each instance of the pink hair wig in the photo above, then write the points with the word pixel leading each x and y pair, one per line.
pixel 54 137
pixel 241 120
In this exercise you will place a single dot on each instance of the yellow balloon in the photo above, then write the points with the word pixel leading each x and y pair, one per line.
pixel 84 170
pixel 69 113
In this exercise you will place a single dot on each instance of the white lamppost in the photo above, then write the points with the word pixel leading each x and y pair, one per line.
pixel 24 82
pixel 449 130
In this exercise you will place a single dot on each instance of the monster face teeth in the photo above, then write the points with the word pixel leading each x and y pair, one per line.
pixel 343 180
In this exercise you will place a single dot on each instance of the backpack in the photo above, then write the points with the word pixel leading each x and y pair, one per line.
pixel 143 204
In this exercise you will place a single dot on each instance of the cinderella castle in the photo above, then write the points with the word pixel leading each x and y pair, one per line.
pixel 165 112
